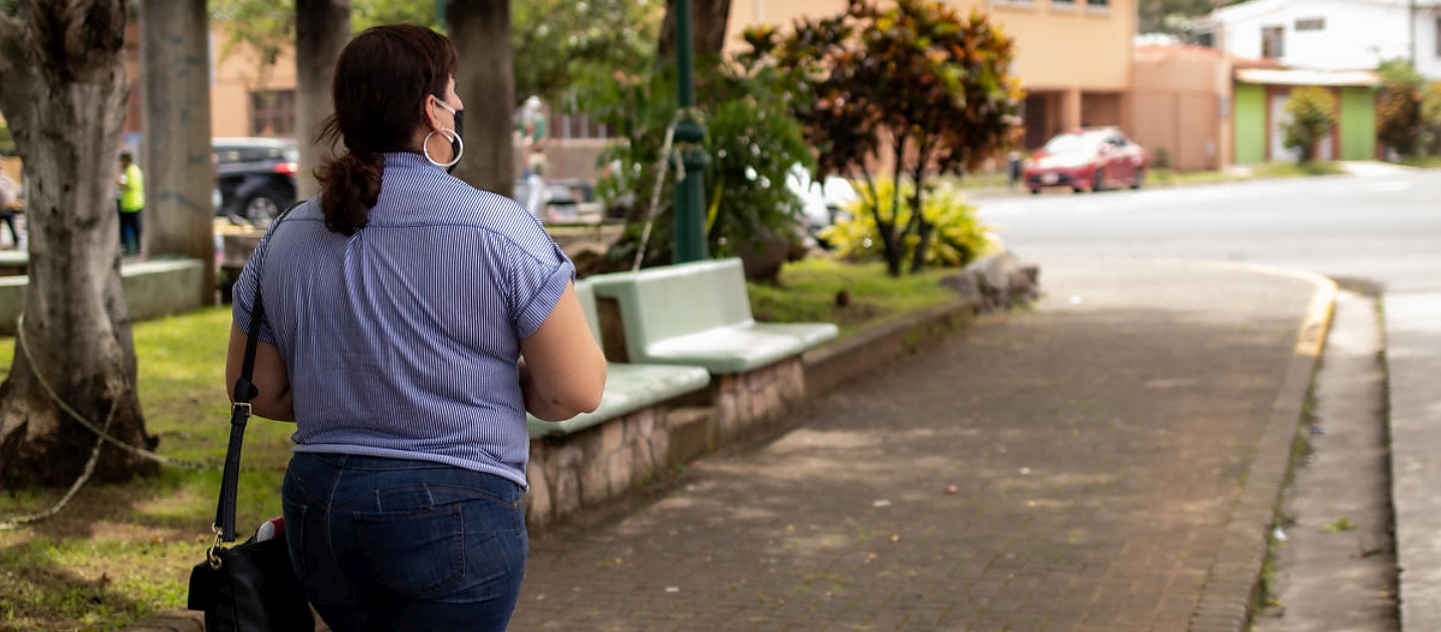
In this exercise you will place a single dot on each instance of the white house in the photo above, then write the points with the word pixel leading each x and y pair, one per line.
pixel 1330 34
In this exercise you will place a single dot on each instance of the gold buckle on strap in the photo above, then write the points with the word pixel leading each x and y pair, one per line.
pixel 214 546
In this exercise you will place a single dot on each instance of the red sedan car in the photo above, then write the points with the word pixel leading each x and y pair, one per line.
pixel 1088 159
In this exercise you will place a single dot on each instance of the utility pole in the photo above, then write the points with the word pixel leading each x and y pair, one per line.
pixel 1411 14
pixel 688 229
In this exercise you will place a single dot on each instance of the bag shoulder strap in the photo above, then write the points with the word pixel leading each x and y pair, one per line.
pixel 240 410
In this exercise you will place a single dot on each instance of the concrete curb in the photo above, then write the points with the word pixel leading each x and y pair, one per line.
pixel 1234 583
pixel 1413 357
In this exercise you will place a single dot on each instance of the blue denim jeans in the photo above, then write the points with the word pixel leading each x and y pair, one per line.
pixel 389 544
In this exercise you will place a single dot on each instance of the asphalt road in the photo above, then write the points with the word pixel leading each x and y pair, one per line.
pixel 1384 227
pixel 1381 225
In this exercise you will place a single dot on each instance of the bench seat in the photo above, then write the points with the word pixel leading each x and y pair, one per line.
pixel 738 349
pixel 628 387
pixel 699 314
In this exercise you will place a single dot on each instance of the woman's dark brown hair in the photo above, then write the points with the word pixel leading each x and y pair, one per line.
pixel 381 82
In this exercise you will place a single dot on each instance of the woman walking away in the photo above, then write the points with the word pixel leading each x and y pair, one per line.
pixel 409 322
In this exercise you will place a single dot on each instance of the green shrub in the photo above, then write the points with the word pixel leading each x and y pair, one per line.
pixel 751 137
pixel 913 78
pixel 1408 110
pixel 959 237
pixel 1313 116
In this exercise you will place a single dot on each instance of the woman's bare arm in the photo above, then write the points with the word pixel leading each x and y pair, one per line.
pixel 270 378
pixel 562 369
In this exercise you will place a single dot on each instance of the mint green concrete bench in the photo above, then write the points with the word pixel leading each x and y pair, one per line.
pixel 153 288
pixel 628 387
pixel 699 314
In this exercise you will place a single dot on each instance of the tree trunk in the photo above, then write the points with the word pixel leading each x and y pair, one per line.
pixel 485 82
pixel 711 20
pixel 64 98
pixel 322 29
pixel 893 233
pixel 179 171
pixel 923 227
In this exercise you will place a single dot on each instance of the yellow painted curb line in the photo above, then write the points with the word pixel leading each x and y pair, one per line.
pixel 1311 338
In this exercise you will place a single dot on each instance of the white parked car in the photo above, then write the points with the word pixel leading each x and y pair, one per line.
pixel 824 202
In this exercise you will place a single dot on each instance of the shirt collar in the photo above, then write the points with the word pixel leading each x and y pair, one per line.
pixel 408 159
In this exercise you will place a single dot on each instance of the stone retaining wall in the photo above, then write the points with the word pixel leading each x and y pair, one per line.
pixel 155 288
pixel 751 399
pixel 589 467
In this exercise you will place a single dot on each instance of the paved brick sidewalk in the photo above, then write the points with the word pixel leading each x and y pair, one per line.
pixel 1094 446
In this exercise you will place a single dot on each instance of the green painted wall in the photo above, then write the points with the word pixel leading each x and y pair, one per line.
pixel 1250 123
pixel 1358 124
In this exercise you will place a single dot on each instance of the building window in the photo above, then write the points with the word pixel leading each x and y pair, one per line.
pixel 1098 4
pixel 1311 24
pixel 1206 38
pixel 1064 4
pixel 1273 42
pixel 272 113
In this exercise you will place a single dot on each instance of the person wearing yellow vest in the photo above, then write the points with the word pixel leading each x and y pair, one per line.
pixel 131 202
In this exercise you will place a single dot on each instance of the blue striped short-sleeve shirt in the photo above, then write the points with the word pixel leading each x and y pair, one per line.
pixel 402 340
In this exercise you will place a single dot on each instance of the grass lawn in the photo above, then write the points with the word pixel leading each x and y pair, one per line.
pixel 996 181
pixel 1424 162
pixel 807 291
pixel 1271 170
pixel 118 553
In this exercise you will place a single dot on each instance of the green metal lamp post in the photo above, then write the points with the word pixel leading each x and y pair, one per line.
pixel 689 226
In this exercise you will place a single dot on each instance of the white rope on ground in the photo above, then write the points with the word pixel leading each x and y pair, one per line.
pixel 16 523
pixel 104 434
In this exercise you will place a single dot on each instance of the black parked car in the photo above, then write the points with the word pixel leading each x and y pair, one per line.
pixel 255 178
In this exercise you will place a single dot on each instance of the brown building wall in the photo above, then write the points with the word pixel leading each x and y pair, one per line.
pixel 1182 105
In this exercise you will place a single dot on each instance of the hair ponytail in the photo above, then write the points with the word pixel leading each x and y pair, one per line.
pixel 349 184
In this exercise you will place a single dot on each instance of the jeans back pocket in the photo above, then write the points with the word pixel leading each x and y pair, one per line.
pixel 415 552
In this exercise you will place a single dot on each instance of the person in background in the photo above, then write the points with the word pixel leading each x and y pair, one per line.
pixel 537 197
pixel 532 122
pixel 9 201
pixel 410 321
pixel 130 203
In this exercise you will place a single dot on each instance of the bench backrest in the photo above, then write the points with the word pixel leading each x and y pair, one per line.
pixel 670 301
pixel 586 295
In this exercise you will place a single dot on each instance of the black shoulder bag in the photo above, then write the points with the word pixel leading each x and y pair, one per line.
pixel 251 587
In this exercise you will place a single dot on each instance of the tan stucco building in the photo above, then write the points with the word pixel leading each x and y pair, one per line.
pixel 248 98
pixel 1074 57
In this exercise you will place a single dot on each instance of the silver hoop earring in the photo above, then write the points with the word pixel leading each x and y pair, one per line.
pixel 455 141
